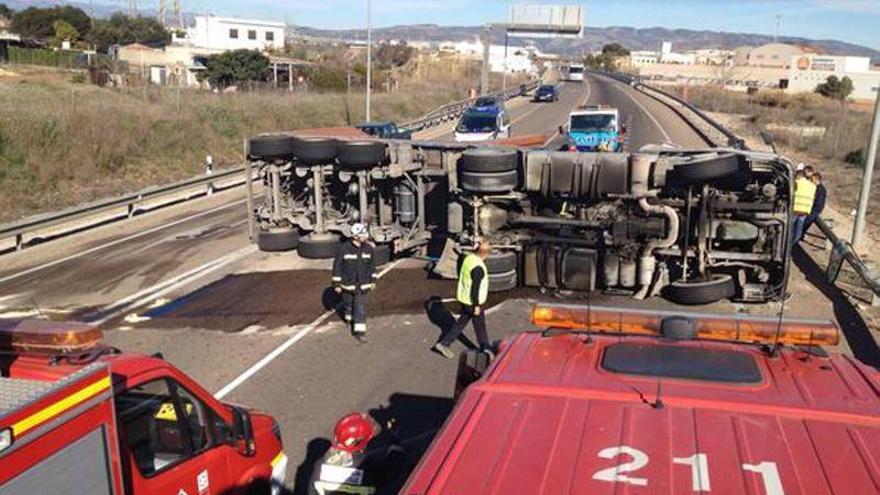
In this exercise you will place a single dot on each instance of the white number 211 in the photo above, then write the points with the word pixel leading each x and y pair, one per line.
pixel 699 464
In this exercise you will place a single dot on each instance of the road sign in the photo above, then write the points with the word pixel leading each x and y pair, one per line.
pixel 536 21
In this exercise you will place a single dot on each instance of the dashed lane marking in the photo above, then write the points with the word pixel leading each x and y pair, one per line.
pixel 287 344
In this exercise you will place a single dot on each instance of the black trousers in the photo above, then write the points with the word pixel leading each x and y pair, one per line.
pixel 466 316
pixel 355 310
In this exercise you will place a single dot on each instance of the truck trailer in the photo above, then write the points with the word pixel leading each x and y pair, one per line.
pixel 693 225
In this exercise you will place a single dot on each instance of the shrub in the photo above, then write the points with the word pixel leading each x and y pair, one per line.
pixel 855 157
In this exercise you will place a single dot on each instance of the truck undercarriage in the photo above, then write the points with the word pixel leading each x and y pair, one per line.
pixel 695 226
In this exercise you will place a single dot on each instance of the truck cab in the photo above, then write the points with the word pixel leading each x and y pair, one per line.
pixel 613 400
pixel 594 128
pixel 483 123
pixel 78 417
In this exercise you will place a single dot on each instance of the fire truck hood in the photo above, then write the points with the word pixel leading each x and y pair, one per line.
pixel 549 419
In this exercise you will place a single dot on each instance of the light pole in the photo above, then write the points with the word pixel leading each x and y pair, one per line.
pixel 369 58
pixel 865 194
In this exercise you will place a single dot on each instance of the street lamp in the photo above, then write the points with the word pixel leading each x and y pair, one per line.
pixel 369 58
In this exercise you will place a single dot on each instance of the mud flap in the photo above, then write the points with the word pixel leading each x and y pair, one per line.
pixel 447 266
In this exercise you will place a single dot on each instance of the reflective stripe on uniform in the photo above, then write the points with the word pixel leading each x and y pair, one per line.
pixel 367 286
pixel 360 327
pixel 463 295
pixel 337 279
pixel 366 255
pixel 350 256
pixel 804 195
pixel 348 287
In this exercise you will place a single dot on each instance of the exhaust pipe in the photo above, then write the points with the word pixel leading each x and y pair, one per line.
pixel 647 262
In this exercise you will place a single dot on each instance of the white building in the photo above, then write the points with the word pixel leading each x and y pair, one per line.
pixel 226 33
pixel 518 59
pixel 643 58
pixel 806 71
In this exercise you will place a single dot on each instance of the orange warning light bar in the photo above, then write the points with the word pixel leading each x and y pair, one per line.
pixel 733 328
pixel 47 337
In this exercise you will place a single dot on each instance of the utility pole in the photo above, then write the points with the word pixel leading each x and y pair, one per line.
pixel 369 58
pixel 870 159
pixel 163 12
pixel 778 23
pixel 484 76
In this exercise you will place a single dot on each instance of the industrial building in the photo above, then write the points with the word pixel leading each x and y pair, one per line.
pixel 776 55
pixel 806 71
pixel 226 33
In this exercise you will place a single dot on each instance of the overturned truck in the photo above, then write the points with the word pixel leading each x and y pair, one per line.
pixel 695 226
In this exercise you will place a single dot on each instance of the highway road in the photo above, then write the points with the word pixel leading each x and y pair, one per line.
pixel 253 327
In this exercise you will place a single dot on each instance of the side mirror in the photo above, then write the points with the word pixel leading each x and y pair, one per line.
pixel 243 431
pixel 562 130
pixel 624 128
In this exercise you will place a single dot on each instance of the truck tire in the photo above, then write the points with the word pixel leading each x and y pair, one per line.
pixel 314 150
pixel 485 160
pixel 278 239
pixel 500 282
pixel 271 147
pixel 357 155
pixel 318 246
pixel 706 170
pixel 716 288
pixel 381 254
pixel 502 261
pixel 492 183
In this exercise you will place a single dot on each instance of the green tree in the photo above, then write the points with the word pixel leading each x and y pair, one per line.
pixel 615 50
pixel 5 11
pixel 64 31
pixel 121 29
pixel 38 23
pixel 606 59
pixel 234 68
pixel 836 89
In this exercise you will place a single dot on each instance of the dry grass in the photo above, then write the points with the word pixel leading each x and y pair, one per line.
pixel 63 143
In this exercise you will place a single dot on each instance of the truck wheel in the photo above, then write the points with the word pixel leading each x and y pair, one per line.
pixel 716 288
pixel 500 282
pixel 355 155
pixel 270 147
pixel 314 150
pixel 496 182
pixel 485 160
pixel 502 261
pixel 381 254
pixel 318 246
pixel 278 239
pixel 706 170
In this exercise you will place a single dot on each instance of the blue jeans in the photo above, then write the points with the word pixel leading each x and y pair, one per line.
pixel 798 228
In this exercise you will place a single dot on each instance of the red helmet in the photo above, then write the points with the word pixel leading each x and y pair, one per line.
pixel 353 431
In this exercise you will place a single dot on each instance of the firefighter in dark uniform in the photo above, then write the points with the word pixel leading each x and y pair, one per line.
pixel 354 274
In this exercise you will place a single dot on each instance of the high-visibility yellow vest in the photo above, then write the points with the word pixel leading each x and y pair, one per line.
pixel 472 261
pixel 804 194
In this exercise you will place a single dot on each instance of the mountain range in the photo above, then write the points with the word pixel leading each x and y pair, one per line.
pixel 594 37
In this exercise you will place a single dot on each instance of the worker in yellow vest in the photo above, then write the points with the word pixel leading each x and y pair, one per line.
pixel 804 196
pixel 473 290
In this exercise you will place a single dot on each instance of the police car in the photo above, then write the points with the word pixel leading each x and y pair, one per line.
pixel 595 128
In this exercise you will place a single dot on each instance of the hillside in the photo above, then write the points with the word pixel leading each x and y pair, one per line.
pixel 632 38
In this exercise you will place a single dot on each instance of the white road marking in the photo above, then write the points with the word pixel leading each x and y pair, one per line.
pixel 649 114
pixel 159 290
pixel 115 243
pixel 287 344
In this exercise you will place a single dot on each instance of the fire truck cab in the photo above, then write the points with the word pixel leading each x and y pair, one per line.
pixel 606 400
pixel 81 418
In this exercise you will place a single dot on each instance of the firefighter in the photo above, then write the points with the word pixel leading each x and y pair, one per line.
pixel 804 196
pixel 354 274
pixel 473 290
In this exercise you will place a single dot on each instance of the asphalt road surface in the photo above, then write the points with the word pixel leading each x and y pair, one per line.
pixel 255 328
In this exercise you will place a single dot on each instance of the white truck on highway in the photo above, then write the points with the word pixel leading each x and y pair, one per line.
pixel 575 72
pixel 695 226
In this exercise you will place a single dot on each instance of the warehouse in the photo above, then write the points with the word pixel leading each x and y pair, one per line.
pixel 809 70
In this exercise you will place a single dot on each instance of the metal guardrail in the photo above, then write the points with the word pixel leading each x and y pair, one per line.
pixel 841 249
pixel 19 228
pixel 453 110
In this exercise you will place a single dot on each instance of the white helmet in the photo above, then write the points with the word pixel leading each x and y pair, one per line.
pixel 358 230
pixel 800 167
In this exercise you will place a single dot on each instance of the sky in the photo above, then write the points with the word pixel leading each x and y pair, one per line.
pixel 855 21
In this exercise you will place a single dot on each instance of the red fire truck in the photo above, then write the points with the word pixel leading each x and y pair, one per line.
pixel 81 418
pixel 605 401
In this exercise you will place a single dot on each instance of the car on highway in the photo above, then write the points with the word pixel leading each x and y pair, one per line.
pixel 547 92
pixel 594 128
pixel 385 130
pixel 484 123
pixel 612 400
pixel 82 418
pixel 487 103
